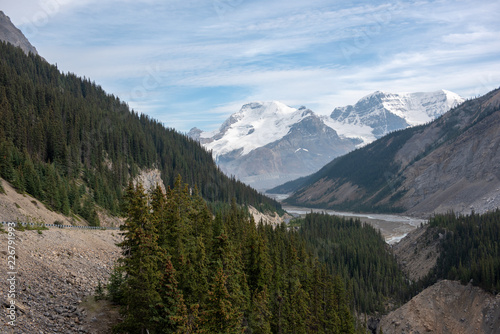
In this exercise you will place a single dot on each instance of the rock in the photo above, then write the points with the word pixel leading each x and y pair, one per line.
pixel 446 307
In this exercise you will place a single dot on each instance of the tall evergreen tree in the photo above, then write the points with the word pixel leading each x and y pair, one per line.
pixel 143 260
pixel 222 316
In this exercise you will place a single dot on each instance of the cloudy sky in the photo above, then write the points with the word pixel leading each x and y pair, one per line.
pixel 194 62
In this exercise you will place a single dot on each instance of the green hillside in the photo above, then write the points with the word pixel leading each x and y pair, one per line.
pixel 67 142
pixel 469 249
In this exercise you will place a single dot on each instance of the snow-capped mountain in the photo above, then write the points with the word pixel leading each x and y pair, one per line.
pixel 268 143
pixel 255 125
pixel 379 113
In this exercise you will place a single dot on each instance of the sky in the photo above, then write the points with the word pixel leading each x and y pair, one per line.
pixel 192 63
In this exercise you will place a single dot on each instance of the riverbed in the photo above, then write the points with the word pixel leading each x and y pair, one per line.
pixel 393 227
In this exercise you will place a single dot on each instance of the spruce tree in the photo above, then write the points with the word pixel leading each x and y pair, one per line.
pixel 260 314
pixel 170 313
pixel 221 316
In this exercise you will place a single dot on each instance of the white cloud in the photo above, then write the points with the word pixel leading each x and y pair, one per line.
pixel 321 54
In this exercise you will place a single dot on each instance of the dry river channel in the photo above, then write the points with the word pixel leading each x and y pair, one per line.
pixel 393 227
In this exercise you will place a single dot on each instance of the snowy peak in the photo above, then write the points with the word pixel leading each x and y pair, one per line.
pixel 265 144
pixel 385 112
pixel 255 125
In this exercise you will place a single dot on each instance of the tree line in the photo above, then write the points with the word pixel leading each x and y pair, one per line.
pixel 358 253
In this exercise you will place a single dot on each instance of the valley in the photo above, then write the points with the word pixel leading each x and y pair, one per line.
pixel 384 216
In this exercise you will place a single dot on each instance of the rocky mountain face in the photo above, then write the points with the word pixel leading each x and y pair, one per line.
pixel 449 164
pixel 10 34
pixel 268 143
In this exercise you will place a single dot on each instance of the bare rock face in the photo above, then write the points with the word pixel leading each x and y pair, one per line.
pixel 149 179
pixel 9 33
pixel 417 253
pixel 270 218
pixel 446 307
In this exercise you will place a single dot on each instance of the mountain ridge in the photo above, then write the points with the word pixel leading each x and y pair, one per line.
pixel 11 34
pixel 268 143
pixel 445 165
pixel 74 147
pixel 385 112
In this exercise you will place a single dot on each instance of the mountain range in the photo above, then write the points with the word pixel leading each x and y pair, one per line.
pixel 451 163
pixel 269 143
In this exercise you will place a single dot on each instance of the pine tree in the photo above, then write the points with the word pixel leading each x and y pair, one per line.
pixel 6 167
pixel 260 314
pixel 342 307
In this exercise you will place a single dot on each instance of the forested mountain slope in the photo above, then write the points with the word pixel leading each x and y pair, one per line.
pixel 70 144
pixel 449 164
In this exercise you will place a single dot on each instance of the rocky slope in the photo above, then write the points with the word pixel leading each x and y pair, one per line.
pixel 446 307
pixel 9 33
pixel 57 271
pixel 417 253
pixel 449 164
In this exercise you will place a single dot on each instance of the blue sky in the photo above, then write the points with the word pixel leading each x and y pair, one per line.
pixel 194 62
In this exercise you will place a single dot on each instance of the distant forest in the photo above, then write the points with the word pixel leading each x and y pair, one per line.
pixel 70 144
pixel 358 253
